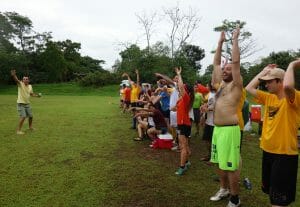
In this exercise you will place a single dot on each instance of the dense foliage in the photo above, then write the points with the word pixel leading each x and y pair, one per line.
pixel 38 55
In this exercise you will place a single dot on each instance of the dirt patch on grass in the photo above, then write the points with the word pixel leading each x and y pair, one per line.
pixel 87 155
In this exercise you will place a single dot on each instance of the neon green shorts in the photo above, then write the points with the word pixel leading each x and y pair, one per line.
pixel 226 147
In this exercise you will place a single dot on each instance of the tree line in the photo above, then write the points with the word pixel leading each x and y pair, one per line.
pixel 45 60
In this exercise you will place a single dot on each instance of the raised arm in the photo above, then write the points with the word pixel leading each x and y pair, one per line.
pixel 289 80
pixel 128 77
pixel 137 77
pixel 252 86
pixel 217 72
pixel 236 71
pixel 14 76
pixel 166 78
pixel 180 82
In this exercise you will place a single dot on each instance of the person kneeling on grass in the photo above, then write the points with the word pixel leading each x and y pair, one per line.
pixel 158 119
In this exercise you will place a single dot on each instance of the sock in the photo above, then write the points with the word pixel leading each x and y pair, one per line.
pixel 234 199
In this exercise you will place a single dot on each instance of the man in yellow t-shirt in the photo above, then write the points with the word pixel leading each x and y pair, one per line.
pixel 135 92
pixel 23 103
pixel 279 134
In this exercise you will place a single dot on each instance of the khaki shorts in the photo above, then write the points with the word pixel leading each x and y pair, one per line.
pixel 24 110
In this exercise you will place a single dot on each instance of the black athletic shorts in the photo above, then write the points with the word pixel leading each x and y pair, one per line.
pixel 196 115
pixel 208 132
pixel 279 177
pixel 134 104
pixel 184 130
pixel 166 113
pixel 127 103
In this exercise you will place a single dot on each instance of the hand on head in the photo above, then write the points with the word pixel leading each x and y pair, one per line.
pixel 269 67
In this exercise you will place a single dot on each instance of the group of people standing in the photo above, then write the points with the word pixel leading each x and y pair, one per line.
pixel 173 106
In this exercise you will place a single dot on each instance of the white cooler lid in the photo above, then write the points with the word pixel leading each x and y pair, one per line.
pixel 166 136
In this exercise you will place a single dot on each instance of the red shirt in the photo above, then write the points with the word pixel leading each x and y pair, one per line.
pixel 127 92
pixel 183 110
pixel 202 89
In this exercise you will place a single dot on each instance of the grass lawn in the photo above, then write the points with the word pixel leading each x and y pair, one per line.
pixel 82 154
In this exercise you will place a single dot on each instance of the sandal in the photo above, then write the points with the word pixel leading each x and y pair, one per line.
pixel 205 159
pixel 137 139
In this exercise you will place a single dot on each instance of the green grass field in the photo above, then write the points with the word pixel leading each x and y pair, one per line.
pixel 82 154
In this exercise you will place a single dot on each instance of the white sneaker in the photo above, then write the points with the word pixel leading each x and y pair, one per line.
pixel 20 133
pixel 230 204
pixel 222 193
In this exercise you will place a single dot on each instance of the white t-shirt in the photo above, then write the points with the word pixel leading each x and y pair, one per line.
pixel 174 97
pixel 173 101
pixel 211 105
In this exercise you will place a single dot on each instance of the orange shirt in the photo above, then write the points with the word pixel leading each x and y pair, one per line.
pixel 183 110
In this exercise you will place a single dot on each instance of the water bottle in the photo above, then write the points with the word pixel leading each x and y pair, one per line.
pixel 247 184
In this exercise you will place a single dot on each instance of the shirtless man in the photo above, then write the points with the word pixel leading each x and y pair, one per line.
pixel 226 135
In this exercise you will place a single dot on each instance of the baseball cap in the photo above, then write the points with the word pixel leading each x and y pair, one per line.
pixel 275 73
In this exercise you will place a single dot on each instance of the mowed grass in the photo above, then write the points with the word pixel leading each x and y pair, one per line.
pixel 82 154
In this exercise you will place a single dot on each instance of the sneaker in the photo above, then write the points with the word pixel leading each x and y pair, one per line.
pixel 222 193
pixel 180 171
pixel 138 139
pixel 188 164
pixel 230 204
pixel 20 133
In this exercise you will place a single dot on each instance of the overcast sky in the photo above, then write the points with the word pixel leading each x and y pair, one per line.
pixel 101 25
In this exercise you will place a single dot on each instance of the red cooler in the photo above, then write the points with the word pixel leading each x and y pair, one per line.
pixel 165 141
pixel 255 113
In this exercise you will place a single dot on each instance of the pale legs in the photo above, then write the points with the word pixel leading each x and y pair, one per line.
pixel 185 153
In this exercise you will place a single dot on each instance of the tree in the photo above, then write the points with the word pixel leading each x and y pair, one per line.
pixel 147 24
pixel 248 46
pixel 52 63
pixel 194 54
pixel 182 26
pixel 6 32
pixel 21 30
pixel 282 59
